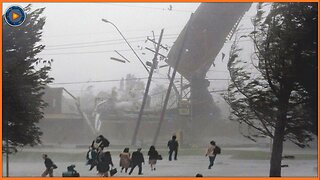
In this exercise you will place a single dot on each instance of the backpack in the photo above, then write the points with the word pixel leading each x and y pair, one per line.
pixel 217 150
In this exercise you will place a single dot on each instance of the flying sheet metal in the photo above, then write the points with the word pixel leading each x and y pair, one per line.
pixel 209 27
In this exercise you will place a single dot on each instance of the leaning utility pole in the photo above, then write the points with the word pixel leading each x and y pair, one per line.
pixel 154 63
pixel 82 114
pixel 171 84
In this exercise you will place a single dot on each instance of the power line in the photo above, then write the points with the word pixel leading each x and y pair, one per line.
pixel 110 40
pixel 92 45
pixel 90 34
pixel 137 98
pixel 102 81
pixel 106 42
pixel 93 42
pixel 172 9
pixel 104 32
pixel 95 45
pixel 155 8
pixel 88 52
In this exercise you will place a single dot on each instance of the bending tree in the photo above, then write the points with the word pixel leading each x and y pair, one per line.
pixel 268 92
pixel 24 78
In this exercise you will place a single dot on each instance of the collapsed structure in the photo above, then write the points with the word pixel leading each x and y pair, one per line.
pixel 208 29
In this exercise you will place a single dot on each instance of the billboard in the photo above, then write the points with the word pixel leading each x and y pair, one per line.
pixel 208 28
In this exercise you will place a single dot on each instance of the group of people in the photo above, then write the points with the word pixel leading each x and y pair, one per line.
pixel 130 161
pixel 102 160
pixel 137 157
pixel 96 157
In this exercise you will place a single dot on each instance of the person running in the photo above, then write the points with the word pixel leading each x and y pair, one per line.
pixel 92 158
pixel 211 153
pixel 125 160
pixel 104 163
pixel 137 160
pixel 173 147
pixel 49 166
pixel 153 157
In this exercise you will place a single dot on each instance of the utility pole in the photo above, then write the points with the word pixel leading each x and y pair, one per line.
pixel 171 84
pixel 145 96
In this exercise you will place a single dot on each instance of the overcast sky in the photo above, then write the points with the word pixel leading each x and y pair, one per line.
pixel 81 44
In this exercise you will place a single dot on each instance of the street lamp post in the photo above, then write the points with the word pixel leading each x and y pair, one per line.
pixel 134 138
pixel 106 21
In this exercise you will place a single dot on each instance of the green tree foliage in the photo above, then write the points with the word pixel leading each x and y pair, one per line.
pixel 277 98
pixel 24 78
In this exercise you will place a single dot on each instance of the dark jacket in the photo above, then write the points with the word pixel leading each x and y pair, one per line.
pixel 173 144
pixel 48 163
pixel 153 154
pixel 105 161
pixel 137 158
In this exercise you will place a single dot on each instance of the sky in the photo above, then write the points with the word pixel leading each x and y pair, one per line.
pixel 81 44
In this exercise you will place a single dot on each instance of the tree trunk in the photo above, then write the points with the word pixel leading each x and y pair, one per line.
pixel 277 147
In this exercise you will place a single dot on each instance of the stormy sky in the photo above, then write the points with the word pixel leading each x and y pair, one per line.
pixel 81 44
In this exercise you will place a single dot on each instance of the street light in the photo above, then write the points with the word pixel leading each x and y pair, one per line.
pixel 106 21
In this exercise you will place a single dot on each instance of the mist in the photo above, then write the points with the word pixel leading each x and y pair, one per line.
pixel 93 95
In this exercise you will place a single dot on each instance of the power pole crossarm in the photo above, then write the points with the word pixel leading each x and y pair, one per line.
pixel 156 43
pixel 155 52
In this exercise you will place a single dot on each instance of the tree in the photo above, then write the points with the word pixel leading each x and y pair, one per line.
pixel 272 99
pixel 24 77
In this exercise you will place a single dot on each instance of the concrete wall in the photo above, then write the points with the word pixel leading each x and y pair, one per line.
pixel 72 130
pixel 76 131
pixel 65 131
